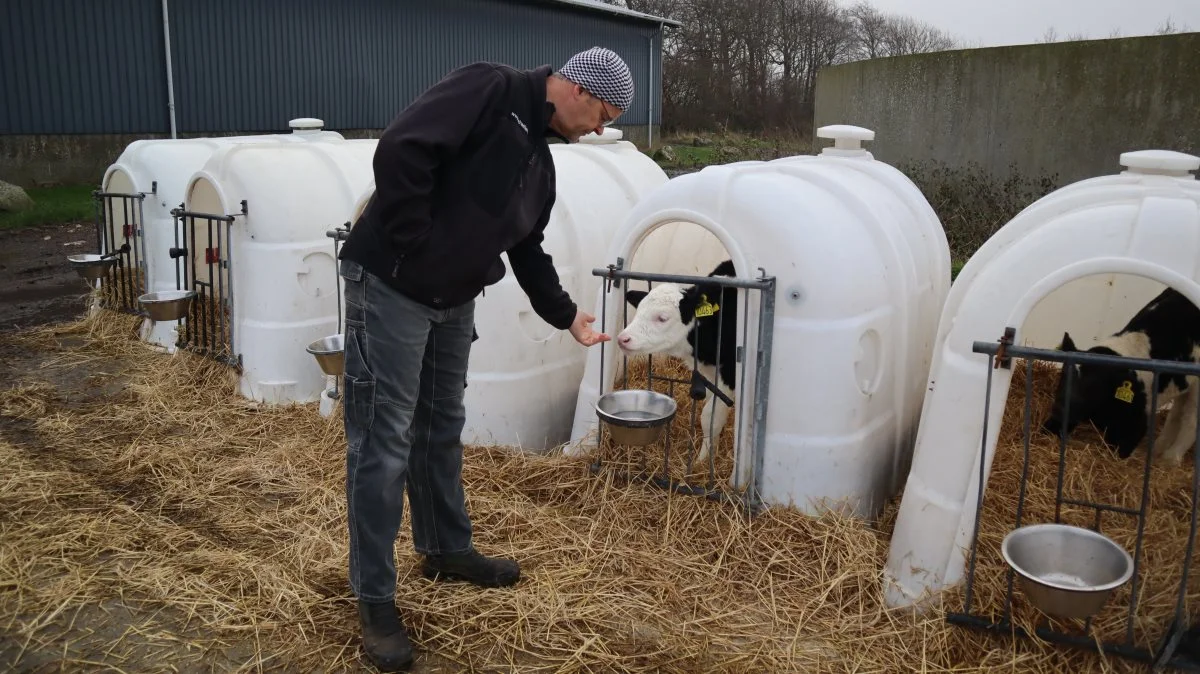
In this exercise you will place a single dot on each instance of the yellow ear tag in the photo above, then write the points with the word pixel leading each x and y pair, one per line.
pixel 706 308
pixel 1125 392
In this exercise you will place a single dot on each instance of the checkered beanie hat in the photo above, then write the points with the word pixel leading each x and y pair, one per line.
pixel 604 74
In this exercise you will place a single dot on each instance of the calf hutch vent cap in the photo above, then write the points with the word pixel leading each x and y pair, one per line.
pixel 847 140
pixel 1166 162
pixel 301 124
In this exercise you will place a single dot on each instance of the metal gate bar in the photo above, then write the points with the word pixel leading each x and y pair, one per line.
pixel 128 279
pixel 205 329
pixel 765 285
pixel 1000 354
pixel 338 234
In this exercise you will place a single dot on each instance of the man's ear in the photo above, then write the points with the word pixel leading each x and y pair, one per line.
pixel 635 297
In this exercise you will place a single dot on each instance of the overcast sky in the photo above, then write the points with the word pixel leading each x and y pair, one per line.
pixel 998 22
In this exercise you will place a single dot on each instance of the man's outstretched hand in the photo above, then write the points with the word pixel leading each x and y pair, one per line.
pixel 582 331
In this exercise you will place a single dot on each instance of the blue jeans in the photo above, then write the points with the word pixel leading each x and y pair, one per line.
pixel 405 375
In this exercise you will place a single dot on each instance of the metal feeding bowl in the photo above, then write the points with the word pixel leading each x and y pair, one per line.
pixel 1066 571
pixel 91 266
pixel 635 417
pixel 167 305
pixel 330 353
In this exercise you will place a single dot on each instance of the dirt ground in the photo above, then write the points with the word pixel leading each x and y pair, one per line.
pixel 37 287
pixel 36 284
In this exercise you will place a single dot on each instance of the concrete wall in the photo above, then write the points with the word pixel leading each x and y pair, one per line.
pixel 45 160
pixel 80 159
pixel 1062 111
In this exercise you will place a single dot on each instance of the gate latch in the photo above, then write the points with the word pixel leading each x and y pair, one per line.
pixel 1003 360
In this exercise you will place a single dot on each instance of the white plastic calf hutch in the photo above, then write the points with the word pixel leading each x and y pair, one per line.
pixel 862 268
pixel 523 373
pixel 142 187
pixel 254 231
pixel 1045 271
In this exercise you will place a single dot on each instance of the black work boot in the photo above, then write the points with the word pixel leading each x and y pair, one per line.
pixel 383 637
pixel 472 567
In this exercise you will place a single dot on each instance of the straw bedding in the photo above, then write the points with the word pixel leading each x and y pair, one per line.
pixel 222 524
pixel 210 326
pixel 123 283
pixel 1093 474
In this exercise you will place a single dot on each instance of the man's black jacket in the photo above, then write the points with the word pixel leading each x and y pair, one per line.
pixel 463 174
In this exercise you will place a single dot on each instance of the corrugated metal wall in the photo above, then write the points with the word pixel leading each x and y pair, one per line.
pixel 80 66
pixel 76 66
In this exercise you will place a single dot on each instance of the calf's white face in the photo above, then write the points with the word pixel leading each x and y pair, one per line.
pixel 658 326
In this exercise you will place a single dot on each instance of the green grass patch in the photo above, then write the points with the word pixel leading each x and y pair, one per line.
pixel 955 267
pixel 52 206
pixel 687 150
pixel 695 156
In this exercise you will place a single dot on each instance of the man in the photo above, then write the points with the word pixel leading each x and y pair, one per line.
pixel 461 176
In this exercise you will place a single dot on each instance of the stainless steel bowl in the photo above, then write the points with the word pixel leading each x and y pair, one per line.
pixel 330 353
pixel 90 265
pixel 635 417
pixel 167 305
pixel 1066 571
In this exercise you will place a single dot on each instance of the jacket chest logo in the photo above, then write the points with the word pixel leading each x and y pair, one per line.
pixel 523 127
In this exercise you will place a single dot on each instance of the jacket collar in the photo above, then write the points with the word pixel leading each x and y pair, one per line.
pixel 540 105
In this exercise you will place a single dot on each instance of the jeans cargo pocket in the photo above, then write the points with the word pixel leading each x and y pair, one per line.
pixel 359 396
pixel 356 353
pixel 359 399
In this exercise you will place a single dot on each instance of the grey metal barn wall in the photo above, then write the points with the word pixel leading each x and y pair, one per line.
pixel 81 79
pixel 80 66
pixel 88 67
pixel 251 66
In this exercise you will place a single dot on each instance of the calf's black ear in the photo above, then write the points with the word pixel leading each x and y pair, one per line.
pixel 1068 344
pixel 635 297
pixel 688 304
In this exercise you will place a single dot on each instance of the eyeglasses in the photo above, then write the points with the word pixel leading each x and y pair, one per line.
pixel 605 120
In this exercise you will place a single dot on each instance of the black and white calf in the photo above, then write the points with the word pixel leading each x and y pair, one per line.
pixel 687 322
pixel 1117 400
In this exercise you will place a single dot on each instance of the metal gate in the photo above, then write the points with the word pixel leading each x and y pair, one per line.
pixel 698 385
pixel 338 234
pixel 1166 652
pixel 119 229
pixel 203 263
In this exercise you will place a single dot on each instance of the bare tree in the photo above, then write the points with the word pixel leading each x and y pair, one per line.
pixel 870 27
pixel 880 34
pixel 1051 35
pixel 907 36
pixel 1169 27
pixel 752 65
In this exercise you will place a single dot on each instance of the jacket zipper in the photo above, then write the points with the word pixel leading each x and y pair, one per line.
pixel 525 167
